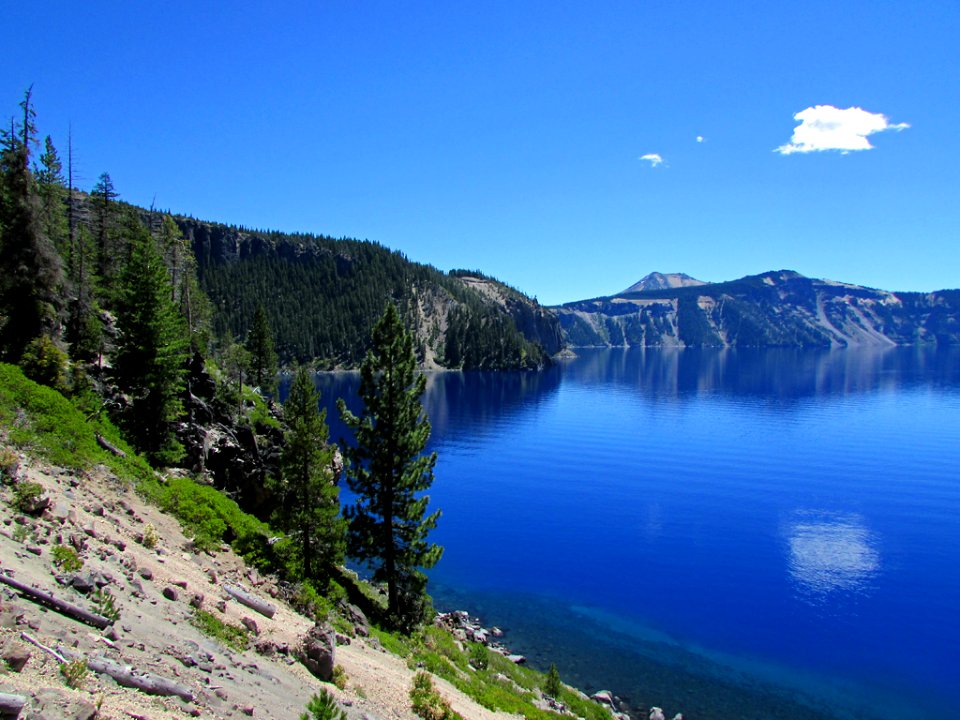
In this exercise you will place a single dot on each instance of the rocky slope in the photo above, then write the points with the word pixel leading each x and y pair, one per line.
pixel 769 310
pixel 156 591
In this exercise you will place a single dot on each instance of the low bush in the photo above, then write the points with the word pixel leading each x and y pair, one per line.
pixel 233 636
pixel 427 702
pixel 322 706
pixel 66 558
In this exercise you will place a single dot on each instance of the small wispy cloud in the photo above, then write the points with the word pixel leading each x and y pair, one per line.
pixel 653 158
pixel 824 127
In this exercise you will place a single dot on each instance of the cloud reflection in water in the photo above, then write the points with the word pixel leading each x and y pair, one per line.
pixel 831 552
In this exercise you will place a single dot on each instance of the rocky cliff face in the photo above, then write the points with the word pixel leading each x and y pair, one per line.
pixel 772 309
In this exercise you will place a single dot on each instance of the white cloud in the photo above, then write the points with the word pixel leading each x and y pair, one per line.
pixel 653 158
pixel 700 138
pixel 825 127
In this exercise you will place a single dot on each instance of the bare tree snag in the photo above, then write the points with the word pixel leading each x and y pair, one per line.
pixel 61 606
pixel 50 651
pixel 251 601
pixel 109 447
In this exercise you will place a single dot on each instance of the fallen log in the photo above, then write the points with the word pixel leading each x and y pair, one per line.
pixel 109 447
pixel 11 705
pixel 61 606
pixel 251 601
pixel 128 677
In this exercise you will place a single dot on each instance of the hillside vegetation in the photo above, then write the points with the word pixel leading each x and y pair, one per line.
pixel 322 296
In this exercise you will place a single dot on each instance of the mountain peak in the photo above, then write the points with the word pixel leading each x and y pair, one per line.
pixel 662 281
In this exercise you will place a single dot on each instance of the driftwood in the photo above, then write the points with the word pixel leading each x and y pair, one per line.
pixel 61 606
pixel 11 705
pixel 251 601
pixel 128 677
pixel 109 447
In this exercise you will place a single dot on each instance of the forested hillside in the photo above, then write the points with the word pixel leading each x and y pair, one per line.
pixel 772 309
pixel 322 296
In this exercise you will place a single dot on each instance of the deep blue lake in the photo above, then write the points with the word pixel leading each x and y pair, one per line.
pixel 724 533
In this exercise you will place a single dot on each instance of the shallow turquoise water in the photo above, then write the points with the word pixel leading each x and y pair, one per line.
pixel 756 534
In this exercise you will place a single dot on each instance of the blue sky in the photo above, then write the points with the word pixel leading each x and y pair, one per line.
pixel 509 136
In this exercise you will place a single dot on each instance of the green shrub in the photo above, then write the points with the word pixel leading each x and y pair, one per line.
pixel 149 537
pixel 105 604
pixel 339 677
pixel 233 636
pixel 322 706
pixel 75 673
pixel 26 496
pixel 66 558
pixel 211 518
pixel 427 702
pixel 479 656
pixel 45 363
pixel 20 533
pixel 9 465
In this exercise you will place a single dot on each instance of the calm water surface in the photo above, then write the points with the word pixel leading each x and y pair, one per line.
pixel 730 534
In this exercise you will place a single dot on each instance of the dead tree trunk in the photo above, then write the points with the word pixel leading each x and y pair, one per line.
pixel 251 601
pixel 61 606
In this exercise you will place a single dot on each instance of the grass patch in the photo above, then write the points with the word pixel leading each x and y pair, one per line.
pixel 233 636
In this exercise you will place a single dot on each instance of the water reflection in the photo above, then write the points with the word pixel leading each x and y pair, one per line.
pixel 830 553
pixel 772 374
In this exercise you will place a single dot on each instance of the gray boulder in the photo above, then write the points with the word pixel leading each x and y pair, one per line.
pixel 317 652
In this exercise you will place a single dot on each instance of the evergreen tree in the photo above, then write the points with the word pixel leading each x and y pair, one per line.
pixel 31 276
pixel 310 504
pixel 263 356
pixel 103 198
pixel 151 350
pixel 388 471
pixel 53 197
pixel 84 330
pixel 236 363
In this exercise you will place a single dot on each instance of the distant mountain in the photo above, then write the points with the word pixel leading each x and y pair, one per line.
pixel 661 281
pixel 780 308
pixel 322 296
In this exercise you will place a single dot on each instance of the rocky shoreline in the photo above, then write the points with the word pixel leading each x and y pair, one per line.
pixel 465 627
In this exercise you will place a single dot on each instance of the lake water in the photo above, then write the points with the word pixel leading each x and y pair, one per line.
pixel 731 534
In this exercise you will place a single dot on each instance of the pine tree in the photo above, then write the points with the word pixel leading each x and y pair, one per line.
pixel 151 350
pixel 103 197
pixel 53 197
pixel 31 276
pixel 388 471
pixel 263 364
pixel 310 504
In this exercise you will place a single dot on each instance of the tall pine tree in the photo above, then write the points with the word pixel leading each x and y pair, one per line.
pixel 388 472
pixel 263 356
pixel 31 276
pixel 151 350
pixel 310 499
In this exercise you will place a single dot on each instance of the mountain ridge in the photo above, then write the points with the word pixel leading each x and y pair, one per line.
pixel 778 308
